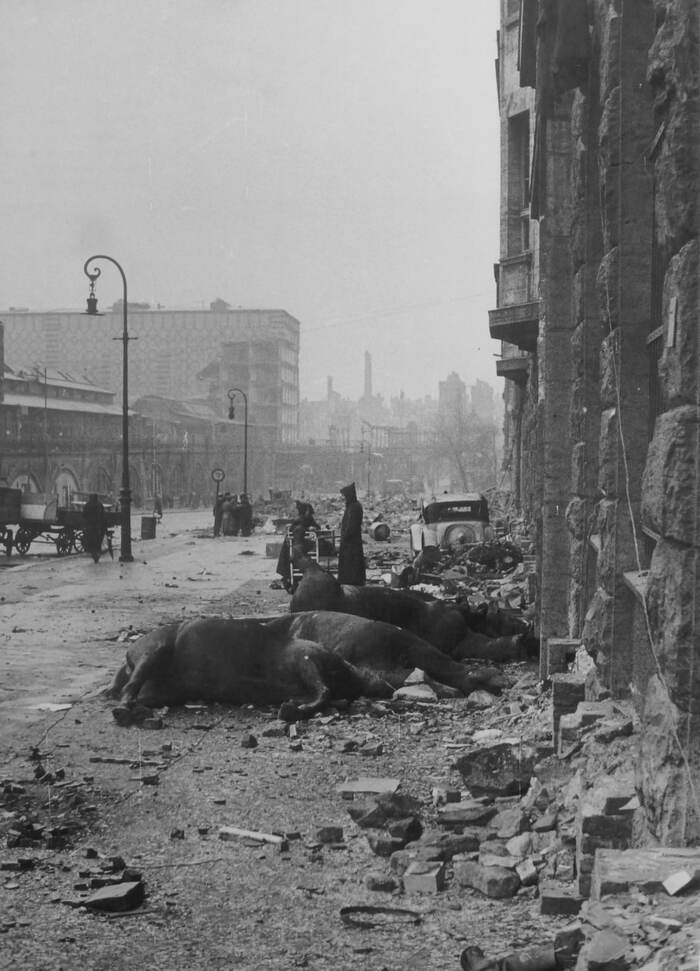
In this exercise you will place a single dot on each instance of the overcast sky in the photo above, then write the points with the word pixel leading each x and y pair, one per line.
pixel 336 158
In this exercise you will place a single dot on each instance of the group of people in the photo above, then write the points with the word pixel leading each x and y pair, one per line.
pixel 233 515
pixel 351 558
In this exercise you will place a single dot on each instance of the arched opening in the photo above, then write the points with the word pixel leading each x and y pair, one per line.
pixel 26 482
pixel 66 484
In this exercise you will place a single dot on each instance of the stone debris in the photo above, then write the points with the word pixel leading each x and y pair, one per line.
pixel 424 877
pixel 234 833
pixel 366 785
pixel 117 898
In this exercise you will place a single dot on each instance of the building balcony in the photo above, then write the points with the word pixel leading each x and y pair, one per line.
pixel 517 324
pixel 513 369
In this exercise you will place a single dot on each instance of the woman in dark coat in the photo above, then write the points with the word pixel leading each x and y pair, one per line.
pixel 95 527
pixel 297 530
pixel 351 559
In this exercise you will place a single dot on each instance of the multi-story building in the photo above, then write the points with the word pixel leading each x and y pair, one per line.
pixel 602 393
pixel 169 350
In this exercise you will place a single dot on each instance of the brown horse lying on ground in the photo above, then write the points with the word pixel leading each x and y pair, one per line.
pixel 300 662
pixel 454 629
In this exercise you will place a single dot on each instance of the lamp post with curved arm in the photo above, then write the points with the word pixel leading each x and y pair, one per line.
pixel 232 392
pixel 125 555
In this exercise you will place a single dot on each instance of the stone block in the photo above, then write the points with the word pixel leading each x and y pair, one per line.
pixel 493 881
pixel 510 822
pixel 384 845
pixel 675 169
pixel 443 846
pixel 643 870
pixel 609 31
pixel 117 898
pixel 557 902
pixel 424 877
pixel 527 873
pixel 669 488
pixel 598 628
pixel 408 829
pixel 330 834
pixel 380 882
pixel 679 362
pixel 606 951
pixel 567 944
pixel 498 770
pixel 618 827
pixel 561 652
pixel 607 290
pixel 671 601
pixel 470 813
pixel 608 453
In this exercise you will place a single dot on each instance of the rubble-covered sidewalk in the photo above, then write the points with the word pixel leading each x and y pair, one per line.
pixel 418 833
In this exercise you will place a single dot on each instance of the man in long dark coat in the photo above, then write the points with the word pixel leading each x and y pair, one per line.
pixel 95 526
pixel 351 558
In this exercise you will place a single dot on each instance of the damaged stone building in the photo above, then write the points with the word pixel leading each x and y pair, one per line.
pixel 597 314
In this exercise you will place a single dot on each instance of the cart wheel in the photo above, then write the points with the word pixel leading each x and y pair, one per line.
pixel 23 540
pixel 79 542
pixel 64 542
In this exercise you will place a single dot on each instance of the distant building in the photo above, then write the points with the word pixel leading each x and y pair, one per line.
pixel 452 397
pixel 168 350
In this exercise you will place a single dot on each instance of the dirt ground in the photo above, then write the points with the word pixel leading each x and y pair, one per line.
pixel 156 798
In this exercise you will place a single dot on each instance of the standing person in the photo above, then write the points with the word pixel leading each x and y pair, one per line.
pixel 351 559
pixel 227 514
pixel 218 514
pixel 95 526
pixel 297 532
pixel 158 508
pixel 245 515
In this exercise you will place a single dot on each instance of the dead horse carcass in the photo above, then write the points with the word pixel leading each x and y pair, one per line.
pixel 235 662
pixel 381 650
pixel 301 662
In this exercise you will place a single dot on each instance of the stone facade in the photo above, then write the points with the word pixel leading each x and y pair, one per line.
pixel 615 421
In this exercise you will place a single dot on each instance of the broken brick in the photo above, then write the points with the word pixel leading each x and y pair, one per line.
pixel 424 877
pixel 493 881
pixel 123 896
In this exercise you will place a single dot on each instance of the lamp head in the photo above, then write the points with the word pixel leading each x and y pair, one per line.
pixel 231 412
pixel 92 305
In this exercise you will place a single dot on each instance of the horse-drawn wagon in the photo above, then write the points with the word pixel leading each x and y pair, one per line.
pixel 28 517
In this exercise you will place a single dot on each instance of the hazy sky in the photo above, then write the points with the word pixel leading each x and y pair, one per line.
pixel 336 158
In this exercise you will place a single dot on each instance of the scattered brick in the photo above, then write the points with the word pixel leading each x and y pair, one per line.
pixel 123 896
pixel 424 877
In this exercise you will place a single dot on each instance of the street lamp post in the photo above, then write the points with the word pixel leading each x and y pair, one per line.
pixel 232 392
pixel 125 492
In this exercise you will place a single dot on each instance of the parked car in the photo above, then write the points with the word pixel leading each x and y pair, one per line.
pixel 451 521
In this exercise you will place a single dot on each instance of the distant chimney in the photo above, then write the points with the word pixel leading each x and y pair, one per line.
pixel 329 387
pixel 368 375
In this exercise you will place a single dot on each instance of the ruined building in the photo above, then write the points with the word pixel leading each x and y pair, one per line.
pixel 597 312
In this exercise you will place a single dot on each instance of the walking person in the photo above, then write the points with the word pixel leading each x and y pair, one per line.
pixel 95 526
pixel 351 558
